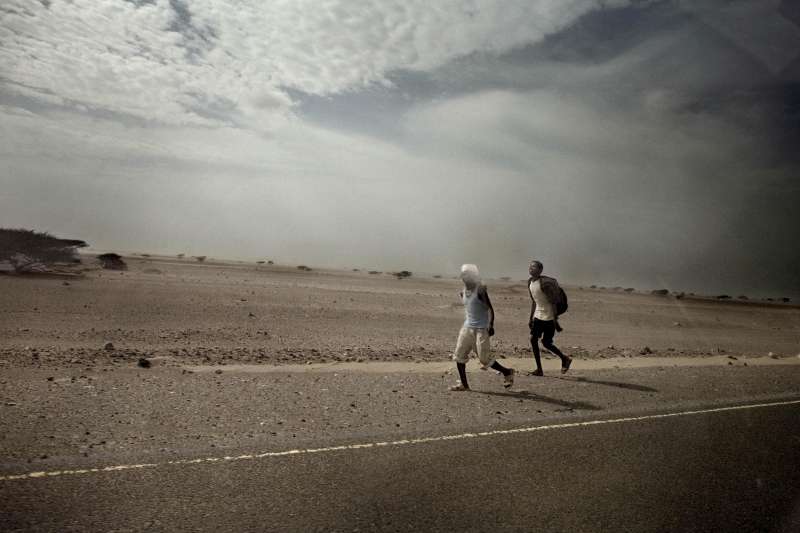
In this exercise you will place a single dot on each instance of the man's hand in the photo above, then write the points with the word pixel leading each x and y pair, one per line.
pixel 558 327
pixel 491 331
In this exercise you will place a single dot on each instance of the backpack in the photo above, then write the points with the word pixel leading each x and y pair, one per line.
pixel 562 304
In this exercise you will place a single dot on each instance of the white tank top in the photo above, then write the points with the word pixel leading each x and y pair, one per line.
pixel 477 312
pixel 544 309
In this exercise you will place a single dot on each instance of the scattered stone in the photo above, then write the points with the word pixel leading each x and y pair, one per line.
pixel 65 283
pixel 251 315
pixel 732 357
pixel 677 325
pixel 144 362
pixel 773 355
pixel 645 351
pixel 660 292
pixel 723 297
pixel 109 347
pixel 218 371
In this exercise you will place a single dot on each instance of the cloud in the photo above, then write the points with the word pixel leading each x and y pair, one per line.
pixel 774 41
pixel 585 172
pixel 208 63
pixel 630 145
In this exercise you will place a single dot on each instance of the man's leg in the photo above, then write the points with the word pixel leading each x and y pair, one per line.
pixel 537 356
pixel 484 348
pixel 464 345
pixel 547 342
pixel 500 368
pixel 462 375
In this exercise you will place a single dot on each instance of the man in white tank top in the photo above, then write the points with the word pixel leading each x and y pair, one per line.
pixel 478 327
pixel 543 322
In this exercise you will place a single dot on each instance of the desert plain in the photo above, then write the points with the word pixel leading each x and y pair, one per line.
pixel 175 359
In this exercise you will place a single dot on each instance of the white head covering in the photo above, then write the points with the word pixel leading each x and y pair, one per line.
pixel 470 272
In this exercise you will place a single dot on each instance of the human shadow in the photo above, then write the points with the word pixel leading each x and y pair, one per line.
pixel 618 384
pixel 526 395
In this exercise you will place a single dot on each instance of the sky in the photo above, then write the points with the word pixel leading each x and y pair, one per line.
pixel 650 144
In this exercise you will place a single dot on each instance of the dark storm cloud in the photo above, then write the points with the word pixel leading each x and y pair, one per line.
pixel 715 213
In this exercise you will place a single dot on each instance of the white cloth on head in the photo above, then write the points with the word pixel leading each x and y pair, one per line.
pixel 471 270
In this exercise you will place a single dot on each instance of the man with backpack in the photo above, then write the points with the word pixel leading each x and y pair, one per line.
pixel 548 301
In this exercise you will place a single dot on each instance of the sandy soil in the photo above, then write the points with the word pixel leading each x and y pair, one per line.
pixel 230 312
pixel 267 357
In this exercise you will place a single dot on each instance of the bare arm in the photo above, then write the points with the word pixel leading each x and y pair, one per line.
pixel 483 295
pixel 533 303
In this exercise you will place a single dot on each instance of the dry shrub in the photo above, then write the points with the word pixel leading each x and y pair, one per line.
pixel 37 247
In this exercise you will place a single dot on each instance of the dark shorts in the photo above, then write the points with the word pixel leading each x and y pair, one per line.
pixel 543 329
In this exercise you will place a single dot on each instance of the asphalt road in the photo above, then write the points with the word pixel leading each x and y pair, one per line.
pixel 722 471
